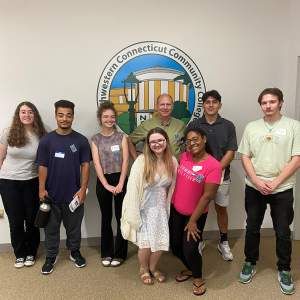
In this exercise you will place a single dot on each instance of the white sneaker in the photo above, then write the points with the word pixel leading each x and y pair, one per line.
pixel 29 261
pixel 106 261
pixel 225 251
pixel 19 263
pixel 116 262
pixel 201 246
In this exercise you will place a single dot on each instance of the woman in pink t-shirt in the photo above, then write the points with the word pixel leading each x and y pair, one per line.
pixel 198 178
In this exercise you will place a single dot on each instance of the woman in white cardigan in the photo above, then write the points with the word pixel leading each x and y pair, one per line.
pixel 146 205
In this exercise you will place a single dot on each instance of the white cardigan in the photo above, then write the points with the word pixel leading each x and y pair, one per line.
pixel 131 219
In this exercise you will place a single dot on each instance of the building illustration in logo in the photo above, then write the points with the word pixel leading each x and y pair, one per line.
pixel 133 82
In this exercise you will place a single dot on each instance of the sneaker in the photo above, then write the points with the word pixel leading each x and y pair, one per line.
pixel 286 282
pixel 106 261
pixel 77 258
pixel 48 266
pixel 116 262
pixel 247 273
pixel 225 251
pixel 19 263
pixel 201 246
pixel 29 261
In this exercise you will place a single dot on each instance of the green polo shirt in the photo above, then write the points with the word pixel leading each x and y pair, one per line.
pixel 174 129
pixel 271 148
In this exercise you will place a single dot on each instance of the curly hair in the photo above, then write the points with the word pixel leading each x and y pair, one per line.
pixel 193 126
pixel 103 107
pixel 17 134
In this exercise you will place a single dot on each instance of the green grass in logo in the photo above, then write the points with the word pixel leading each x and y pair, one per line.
pixel 123 122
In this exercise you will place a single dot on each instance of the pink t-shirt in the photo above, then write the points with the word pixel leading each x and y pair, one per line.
pixel 191 177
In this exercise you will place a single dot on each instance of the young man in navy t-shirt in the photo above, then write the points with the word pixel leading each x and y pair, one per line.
pixel 63 157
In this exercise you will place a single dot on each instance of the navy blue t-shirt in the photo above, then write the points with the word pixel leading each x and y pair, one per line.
pixel 63 156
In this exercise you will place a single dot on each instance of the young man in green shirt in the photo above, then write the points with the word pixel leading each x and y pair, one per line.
pixel 270 149
pixel 163 119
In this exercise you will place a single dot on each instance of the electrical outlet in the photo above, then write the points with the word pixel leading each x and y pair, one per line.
pixel 1 212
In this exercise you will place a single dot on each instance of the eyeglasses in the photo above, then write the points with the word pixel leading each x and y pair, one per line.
pixel 159 142
pixel 191 141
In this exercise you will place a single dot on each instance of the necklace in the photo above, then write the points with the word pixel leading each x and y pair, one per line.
pixel 269 128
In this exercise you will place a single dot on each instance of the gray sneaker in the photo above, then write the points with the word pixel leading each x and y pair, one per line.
pixel 247 273
pixel 286 282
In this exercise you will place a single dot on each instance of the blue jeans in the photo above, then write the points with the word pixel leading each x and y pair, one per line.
pixel 282 213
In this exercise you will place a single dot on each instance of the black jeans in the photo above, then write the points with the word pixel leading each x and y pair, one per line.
pixel 186 251
pixel 105 199
pixel 72 223
pixel 21 202
pixel 282 213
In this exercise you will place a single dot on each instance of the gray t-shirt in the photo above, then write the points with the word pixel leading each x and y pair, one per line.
pixel 19 163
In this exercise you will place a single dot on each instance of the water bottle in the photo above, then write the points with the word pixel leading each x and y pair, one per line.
pixel 43 213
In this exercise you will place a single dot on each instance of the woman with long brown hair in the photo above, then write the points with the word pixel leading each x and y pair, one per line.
pixel 146 204
pixel 19 180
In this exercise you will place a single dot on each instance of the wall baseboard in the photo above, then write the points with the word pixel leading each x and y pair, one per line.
pixel 208 235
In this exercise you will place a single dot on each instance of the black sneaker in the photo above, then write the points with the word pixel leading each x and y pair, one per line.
pixel 77 258
pixel 19 263
pixel 48 265
pixel 29 261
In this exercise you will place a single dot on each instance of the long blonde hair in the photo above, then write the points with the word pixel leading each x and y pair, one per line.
pixel 151 159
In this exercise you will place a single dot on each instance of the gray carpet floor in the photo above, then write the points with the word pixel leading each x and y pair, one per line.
pixel 97 282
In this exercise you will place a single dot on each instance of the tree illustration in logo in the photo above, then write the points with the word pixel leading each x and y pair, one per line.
pixel 130 84
pixel 180 110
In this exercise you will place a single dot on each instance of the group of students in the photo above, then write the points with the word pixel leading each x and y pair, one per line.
pixel 165 202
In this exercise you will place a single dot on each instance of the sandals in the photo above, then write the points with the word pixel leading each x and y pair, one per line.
pixel 183 276
pixel 146 277
pixel 159 276
pixel 199 287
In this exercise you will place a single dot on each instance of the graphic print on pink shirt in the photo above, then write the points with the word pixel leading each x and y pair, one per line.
pixel 191 177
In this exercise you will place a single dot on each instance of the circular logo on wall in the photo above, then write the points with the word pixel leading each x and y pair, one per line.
pixel 139 73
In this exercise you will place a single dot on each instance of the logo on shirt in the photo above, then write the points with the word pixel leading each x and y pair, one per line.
pixel 138 74
pixel 190 175
pixel 73 148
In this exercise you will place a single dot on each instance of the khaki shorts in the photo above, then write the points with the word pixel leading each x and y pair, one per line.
pixel 222 197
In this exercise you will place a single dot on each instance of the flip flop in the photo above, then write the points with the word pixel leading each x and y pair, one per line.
pixel 199 288
pixel 183 276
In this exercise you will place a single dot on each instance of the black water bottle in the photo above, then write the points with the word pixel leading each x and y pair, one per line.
pixel 43 213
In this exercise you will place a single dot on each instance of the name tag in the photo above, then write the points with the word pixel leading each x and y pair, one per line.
pixel 59 155
pixel 197 168
pixel 280 131
pixel 115 148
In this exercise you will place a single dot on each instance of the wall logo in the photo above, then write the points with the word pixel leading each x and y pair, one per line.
pixel 138 74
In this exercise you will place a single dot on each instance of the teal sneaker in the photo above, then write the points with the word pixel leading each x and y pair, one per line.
pixel 247 273
pixel 286 282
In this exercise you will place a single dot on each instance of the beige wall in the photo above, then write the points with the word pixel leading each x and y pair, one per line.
pixel 57 49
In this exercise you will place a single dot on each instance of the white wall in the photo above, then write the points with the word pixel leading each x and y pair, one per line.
pixel 57 49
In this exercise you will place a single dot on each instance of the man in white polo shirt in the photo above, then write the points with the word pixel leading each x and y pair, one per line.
pixel 270 149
